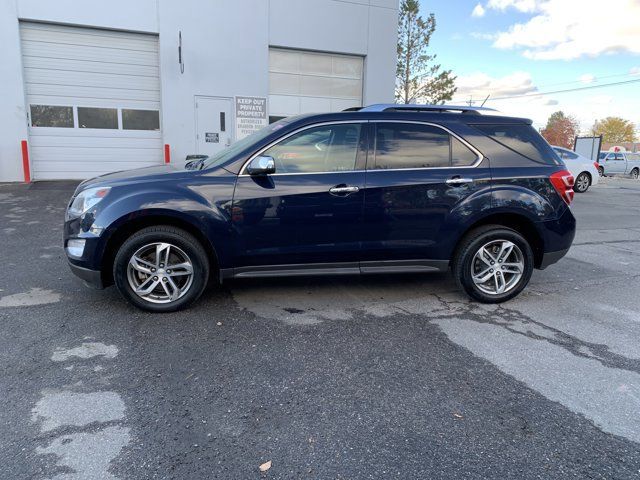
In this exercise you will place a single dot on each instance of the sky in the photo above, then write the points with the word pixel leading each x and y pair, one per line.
pixel 527 48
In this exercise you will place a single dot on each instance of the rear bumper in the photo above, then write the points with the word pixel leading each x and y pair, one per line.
pixel 549 258
pixel 91 278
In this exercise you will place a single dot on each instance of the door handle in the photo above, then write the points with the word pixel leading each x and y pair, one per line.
pixel 341 190
pixel 458 181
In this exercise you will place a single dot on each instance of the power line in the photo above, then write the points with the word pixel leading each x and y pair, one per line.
pixel 577 89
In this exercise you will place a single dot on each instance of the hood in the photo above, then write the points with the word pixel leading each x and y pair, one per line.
pixel 127 176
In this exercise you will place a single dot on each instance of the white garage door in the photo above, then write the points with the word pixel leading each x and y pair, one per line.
pixel 93 98
pixel 307 82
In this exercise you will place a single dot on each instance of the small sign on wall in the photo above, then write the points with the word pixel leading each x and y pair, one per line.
pixel 251 115
pixel 212 137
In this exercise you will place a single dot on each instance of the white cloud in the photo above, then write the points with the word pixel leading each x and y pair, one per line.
pixel 587 78
pixel 478 11
pixel 635 71
pixel 538 106
pixel 520 5
pixel 569 29
pixel 479 85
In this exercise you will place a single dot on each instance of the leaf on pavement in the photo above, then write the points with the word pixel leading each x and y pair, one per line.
pixel 265 466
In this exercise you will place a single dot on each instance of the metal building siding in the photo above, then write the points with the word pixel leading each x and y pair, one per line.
pixel 84 67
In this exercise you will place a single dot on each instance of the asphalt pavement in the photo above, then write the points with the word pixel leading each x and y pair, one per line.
pixel 346 377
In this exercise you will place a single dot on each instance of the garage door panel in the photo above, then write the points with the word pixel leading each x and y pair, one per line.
pixel 83 170
pixel 92 102
pixel 83 67
pixel 95 155
pixel 91 92
pixel 305 82
pixel 103 39
pixel 340 104
pixel 90 54
pixel 91 143
pixel 80 79
pixel 70 65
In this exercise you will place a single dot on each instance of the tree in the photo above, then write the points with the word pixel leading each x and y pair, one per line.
pixel 417 77
pixel 561 130
pixel 615 130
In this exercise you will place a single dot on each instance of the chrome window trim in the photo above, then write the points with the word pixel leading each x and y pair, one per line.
pixel 307 127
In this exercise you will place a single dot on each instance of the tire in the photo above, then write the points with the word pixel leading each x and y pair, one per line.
pixel 468 256
pixel 635 173
pixel 582 182
pixel 601 171
pixel 169 290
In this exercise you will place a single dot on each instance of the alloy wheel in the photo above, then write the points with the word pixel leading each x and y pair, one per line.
pixel 497 267
pixel 160 272
pixel 582 183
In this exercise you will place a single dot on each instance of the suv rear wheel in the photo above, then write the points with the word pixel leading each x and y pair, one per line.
pixel 493 264
pixel 161 269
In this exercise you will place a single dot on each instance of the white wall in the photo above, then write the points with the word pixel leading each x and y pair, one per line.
pixel 224 45
pixel 134 15
pixel 225 49
pixel 13 120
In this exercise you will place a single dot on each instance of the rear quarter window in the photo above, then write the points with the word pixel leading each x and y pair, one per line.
pixel 521 139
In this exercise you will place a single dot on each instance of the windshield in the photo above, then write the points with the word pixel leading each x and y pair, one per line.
pixel 228 153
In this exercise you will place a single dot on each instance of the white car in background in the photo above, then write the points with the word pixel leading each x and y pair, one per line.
pixel 583 169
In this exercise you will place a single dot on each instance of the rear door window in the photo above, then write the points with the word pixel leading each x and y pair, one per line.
pixel 412 145
pixel 521 139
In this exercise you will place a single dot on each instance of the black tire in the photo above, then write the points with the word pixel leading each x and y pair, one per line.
pixel 582 182
pixel 471 244
pixel 635 173
pixel 177 238
pixel 601 171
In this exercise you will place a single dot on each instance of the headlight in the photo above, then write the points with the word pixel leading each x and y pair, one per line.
pixel 87 199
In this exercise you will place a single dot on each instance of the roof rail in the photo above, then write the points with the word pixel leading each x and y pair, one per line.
pixel 390 107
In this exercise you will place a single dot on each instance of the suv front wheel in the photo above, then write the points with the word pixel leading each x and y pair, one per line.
pixel 493 264
pixel 161 269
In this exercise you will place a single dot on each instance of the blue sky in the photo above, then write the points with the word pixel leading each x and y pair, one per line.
pixel 527 47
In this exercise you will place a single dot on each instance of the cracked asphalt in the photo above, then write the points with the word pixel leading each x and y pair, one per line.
pixel 354 378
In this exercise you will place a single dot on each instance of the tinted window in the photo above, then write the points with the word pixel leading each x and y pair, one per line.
pixel 522 139
pixel 565 154
pixel 461 155
pixel 330 148
pixel 51 116
pixel 602 155
pixel 140 119
pixel 97 118
pixel 407 145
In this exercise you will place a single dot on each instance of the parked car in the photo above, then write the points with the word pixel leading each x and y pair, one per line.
pixel 583 169
pixel 385 189
pixel 619 163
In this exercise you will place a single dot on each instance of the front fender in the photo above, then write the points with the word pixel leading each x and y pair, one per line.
pixel 178 205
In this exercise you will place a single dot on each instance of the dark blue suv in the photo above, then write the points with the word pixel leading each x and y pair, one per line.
pixel 381 189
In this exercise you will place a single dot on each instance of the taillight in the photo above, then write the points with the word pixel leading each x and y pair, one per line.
pixel 563 183
pixel 597 165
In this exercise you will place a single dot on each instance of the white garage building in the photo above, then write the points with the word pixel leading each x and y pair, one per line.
pixel 92 87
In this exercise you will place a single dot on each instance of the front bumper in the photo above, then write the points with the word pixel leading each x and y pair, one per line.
pixel 91 278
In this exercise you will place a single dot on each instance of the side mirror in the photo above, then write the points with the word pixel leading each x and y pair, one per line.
pixel 262 165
